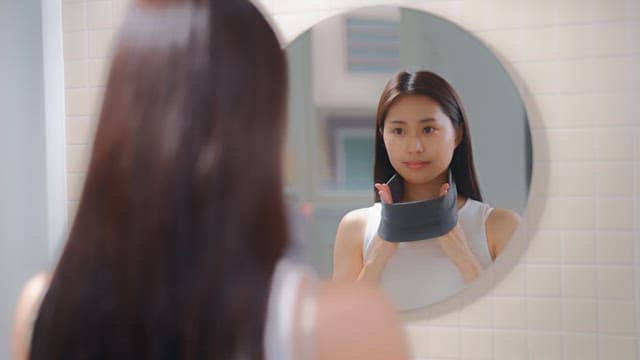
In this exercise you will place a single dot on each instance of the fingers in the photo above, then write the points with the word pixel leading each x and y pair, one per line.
pixel 444 189
pixel 385 193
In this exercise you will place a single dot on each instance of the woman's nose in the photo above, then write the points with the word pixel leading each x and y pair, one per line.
pixel 415 145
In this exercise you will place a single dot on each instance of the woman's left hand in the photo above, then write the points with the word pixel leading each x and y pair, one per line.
pixel 455 246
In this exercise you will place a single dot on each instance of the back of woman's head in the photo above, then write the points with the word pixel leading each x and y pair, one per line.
pixel 429 84
pixel 181 220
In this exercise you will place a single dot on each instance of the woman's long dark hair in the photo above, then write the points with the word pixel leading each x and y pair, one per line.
pixel 428 84
pixel 182 219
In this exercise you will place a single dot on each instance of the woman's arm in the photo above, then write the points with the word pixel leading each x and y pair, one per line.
pixel 348 259
pixel 26 310
pixel 500 225
pixel 347 249
pixel 455 246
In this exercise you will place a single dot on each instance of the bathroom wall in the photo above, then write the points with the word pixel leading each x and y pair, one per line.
pixel 569 287
pixel 23 217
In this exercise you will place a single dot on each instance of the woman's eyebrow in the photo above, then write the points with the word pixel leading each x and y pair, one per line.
pixel 402 122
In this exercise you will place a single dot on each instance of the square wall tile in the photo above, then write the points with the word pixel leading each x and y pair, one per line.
pixel 509 313
pixel 575 75
pixel 77 158
pixel 545 247
pixel 418 339
pixel 539 77
pixel 544 314
pixel 99 15
pixel 614 179
pixel 571 213
pixel 568 110
pixel 77 102
pixel 633 9
pixel 616 318
pixel 579 282
pixel 510 345
pixel 545 346
pixel 616 108
pixel 78 130
pixel 615 213
pixel 76 74
pixel 571 145
pixel 619 348
pixel 477 344
pixel 611 39
pixel 580 316
pixel 616 283
pixel 581 346
pixel 572 179
pixel 543 281
pixel 610 10
pixel 75 45
pixel 73 16
pixel 98 71
pixel 616 73
pixel 579 247
pixel 575 11
pixel 614 144
pixel 575 41
pixel 539 43
pixel 100 43
pixel 445 343
pixel 615 247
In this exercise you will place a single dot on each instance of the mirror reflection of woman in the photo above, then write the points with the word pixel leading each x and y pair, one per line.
pixel 422 134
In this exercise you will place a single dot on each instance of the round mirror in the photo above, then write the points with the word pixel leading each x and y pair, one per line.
pixel 338 70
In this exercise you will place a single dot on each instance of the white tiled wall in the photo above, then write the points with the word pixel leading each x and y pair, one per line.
pixel 575 292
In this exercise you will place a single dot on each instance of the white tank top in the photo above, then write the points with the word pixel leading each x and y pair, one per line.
pixel 290 323
pixel 420 273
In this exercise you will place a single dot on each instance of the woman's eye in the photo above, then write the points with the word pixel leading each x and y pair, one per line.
pixel 428 130
pixel 397 131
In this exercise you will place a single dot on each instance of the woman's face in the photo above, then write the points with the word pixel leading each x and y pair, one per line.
pixel 420 138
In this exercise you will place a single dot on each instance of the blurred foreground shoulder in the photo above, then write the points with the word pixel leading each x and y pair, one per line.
pixel 26 311
pixel 356 321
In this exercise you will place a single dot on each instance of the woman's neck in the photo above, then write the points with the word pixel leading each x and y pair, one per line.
pixel 419 192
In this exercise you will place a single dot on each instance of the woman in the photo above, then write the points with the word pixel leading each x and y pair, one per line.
pixel 422 135
pixel 176 249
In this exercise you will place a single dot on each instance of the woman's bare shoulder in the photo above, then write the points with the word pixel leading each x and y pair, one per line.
pixel 350 232
pixel 501 224
pixel 356 321
pixel 26 308
pixel 355 218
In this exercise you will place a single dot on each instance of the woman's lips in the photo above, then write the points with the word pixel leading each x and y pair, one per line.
pixel 415 165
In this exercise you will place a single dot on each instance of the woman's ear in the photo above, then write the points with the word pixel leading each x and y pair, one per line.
pixel 459 134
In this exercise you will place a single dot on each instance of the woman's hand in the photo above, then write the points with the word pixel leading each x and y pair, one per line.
pixel 382 250
pixel 455 246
